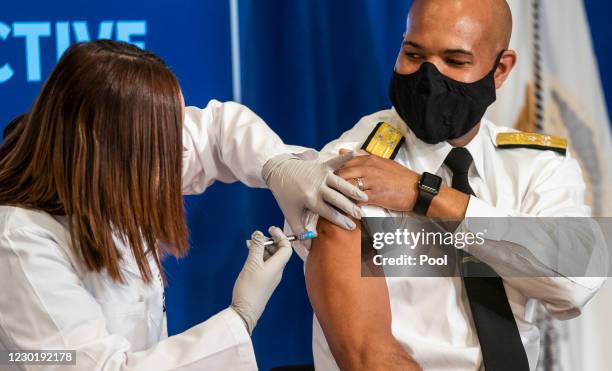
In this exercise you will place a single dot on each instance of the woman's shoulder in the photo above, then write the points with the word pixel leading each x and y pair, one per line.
pixel 34 235
pixel 29 221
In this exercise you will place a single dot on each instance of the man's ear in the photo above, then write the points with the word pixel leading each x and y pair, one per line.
pixel 506 64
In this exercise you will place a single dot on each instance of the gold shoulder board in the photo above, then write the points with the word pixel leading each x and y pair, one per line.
pixel 532 140
pixel 384 141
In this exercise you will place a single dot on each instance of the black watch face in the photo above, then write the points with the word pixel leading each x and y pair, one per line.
pixel 430 183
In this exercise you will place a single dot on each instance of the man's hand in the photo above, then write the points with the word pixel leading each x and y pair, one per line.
pixel 298 185
pixel 395 187
pixel 387 183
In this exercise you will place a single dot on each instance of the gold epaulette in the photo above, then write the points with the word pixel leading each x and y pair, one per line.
pixel 384 141
pixel 532 140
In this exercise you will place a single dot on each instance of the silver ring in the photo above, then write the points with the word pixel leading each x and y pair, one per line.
pixel 360 184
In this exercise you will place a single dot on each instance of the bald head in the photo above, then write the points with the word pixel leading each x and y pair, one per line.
pixel 485 22
pixel 463 38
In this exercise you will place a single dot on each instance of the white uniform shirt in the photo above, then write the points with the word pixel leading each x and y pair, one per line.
pixel 431 317
pixel 51 302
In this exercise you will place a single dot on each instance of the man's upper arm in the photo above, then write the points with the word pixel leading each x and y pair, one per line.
pixel 353 311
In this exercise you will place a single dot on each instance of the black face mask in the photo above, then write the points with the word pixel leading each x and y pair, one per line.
pixel 437 108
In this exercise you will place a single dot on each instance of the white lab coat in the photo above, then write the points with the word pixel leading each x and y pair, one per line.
pixel 430 315
pixel 49 301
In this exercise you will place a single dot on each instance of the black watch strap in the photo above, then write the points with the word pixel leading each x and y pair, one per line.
pixel 423 201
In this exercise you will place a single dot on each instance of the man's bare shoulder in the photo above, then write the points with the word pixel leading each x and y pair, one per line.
pixel 329 236
pixel 327 229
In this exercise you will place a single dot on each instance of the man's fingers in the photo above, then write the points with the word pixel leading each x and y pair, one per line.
pixel 361 160
pixel 338 200
pixel 338 161
pixel 345 187
pixel 335 217
pixel 349 173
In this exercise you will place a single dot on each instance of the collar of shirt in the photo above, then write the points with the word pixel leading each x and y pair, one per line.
pixel 430 157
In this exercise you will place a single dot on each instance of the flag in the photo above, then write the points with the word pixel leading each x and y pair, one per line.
pixel 557 92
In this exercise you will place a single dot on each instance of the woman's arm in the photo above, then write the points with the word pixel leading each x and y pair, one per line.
pixel 353 311
pixel 227 142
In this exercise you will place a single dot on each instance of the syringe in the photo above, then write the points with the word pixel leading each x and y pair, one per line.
pixel 302 236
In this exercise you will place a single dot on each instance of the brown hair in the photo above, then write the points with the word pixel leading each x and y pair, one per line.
pixel 14 125
pixel 102 144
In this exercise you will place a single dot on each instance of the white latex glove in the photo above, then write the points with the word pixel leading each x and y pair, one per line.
pixel 258 279
pixel 298 185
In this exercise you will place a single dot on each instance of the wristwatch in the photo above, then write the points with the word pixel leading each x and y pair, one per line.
pixel 429 186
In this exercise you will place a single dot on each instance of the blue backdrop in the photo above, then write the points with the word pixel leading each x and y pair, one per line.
pixel 310 68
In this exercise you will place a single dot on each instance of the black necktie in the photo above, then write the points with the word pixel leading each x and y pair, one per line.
pixel 500 341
